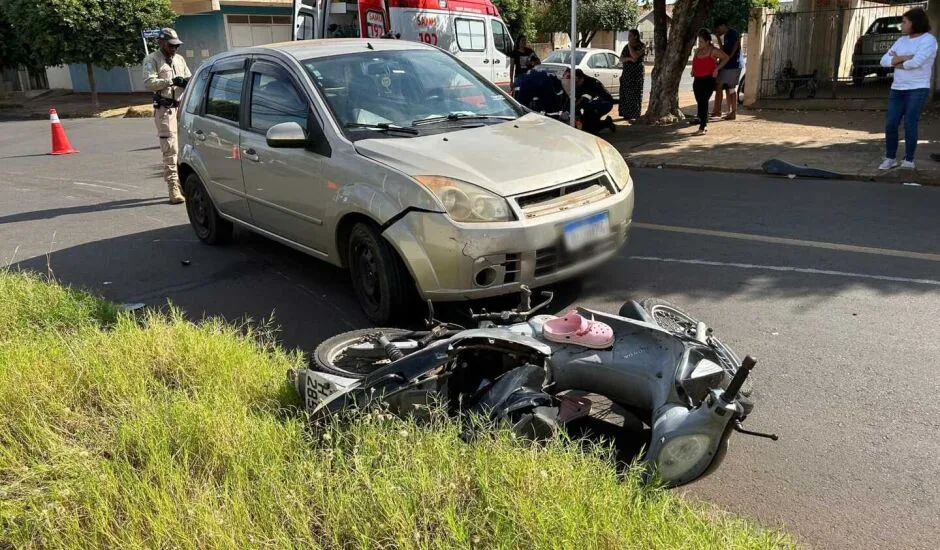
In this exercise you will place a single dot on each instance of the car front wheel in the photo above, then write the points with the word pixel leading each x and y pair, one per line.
pixel 379 278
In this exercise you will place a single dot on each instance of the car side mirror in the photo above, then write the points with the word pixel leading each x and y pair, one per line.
pixel 286 134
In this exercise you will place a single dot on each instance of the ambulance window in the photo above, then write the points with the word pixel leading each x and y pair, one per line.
pixel 471 35
pixel 500 38
pixel 305 27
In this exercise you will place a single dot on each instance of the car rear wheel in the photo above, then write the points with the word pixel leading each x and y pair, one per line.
pixel 209 226
pixel 379 277
pixel 858 77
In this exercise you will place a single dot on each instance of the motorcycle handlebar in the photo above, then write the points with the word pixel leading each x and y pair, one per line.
pixel 739 377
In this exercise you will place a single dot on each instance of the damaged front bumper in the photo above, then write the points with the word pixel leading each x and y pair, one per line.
pixel 453 262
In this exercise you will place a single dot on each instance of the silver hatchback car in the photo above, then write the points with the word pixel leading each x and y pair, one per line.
pixel 397 161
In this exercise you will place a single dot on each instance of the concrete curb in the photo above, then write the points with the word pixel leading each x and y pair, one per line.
pixel 927 180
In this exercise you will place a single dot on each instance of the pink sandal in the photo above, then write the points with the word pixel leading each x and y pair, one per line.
pixel 575 329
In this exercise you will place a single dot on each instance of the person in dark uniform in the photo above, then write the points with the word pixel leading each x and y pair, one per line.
pixel 539 90
pixel 594 102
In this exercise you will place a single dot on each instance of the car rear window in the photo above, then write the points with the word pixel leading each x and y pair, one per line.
pixel 886 25
pixel 564 56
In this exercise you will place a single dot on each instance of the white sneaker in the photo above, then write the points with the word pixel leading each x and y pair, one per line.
pixel 888 164
pixel 907 165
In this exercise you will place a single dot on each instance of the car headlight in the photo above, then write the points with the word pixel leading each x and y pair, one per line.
pixel 679 455
pixel 465 202
pixel 616 166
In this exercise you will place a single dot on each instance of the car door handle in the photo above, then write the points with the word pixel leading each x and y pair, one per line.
pixel 200 135
pixel 497 61
pixel 251 155
pixel 486 60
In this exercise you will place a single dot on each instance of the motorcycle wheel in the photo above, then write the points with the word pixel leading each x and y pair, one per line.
pixel 330 356
pixel 673 319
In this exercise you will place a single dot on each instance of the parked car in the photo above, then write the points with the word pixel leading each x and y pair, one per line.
pixel 397 161
pixel 871 47
pixel 741 81
pixel 603 65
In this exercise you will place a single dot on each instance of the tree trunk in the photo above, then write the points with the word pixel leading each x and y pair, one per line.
pixel 687 18
pixel 92 85
pixel 587 38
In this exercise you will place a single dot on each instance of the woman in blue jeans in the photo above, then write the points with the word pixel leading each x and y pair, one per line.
pixel 912 58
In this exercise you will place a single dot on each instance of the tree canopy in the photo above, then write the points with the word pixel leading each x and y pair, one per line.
pixel 593 16
pixel 519 16
pixel 105 33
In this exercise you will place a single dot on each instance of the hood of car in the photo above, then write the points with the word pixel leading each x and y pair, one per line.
pixel 526 154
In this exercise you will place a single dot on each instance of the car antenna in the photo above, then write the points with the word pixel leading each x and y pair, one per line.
pixel 369 45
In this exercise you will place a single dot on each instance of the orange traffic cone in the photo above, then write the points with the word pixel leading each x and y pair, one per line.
pixel 60 142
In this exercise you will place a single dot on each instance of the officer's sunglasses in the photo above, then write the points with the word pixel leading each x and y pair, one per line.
pixel 174 46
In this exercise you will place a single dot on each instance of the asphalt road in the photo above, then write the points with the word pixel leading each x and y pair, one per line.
pixel 847 337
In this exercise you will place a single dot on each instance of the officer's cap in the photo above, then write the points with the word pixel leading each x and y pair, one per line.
pixel 170 36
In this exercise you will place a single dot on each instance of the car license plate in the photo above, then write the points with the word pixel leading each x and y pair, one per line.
pixel 883 46
pixel 581 233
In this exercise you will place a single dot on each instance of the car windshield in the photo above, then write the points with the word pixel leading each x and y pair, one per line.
pixel 564 56
pixel 384 91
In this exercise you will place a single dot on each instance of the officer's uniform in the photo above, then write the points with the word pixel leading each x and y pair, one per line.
pixel 158 78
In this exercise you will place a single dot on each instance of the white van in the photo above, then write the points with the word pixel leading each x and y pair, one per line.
pixel 472 30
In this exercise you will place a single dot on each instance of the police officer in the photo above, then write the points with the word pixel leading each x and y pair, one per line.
pixel 166 74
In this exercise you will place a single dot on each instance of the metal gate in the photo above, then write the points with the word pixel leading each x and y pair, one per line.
pixel 829 53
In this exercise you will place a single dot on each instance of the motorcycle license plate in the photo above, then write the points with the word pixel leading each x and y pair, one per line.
pixel 578 234
pixel 317 388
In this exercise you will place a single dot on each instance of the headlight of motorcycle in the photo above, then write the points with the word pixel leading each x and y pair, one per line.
pixel 465 202
pixel 616 166
pixel 679 455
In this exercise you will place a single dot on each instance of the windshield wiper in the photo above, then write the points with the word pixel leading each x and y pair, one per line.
pixel 382 126
pixel 458 116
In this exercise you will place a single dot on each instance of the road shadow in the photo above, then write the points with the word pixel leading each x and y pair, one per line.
pixel 252 281
pixel 97 207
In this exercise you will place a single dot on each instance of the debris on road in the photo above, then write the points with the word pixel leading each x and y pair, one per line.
pixel 777 167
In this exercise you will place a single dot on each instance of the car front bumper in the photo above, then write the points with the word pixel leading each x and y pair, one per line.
pixel 453 262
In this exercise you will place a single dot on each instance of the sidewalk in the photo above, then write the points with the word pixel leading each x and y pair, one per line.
pixel 851 143
pixel 74 105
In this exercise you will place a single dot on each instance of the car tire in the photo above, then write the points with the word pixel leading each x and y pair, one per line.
pixel 208 225
pixel 380 281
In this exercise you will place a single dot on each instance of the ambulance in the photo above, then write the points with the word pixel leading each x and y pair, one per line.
pixel 472 30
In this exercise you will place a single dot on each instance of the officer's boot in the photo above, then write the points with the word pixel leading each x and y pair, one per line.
pixel 176 194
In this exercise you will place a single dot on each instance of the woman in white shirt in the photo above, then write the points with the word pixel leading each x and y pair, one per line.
pixel 912 58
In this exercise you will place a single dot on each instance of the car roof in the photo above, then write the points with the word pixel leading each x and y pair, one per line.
pixel 307 49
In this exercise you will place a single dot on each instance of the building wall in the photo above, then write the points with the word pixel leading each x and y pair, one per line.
pixel 203 36
pixel 59 77
pixel 116 80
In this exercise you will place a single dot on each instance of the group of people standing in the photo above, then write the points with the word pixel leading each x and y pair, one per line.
pixel 716 68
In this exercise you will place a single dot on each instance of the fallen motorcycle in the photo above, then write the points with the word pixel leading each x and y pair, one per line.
pixel 653 360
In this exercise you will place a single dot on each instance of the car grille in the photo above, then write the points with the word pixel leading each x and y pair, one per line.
pixel 565 197
pixel 512 267
pixel 551 259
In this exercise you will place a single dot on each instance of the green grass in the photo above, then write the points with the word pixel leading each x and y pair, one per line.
pixel 124 433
